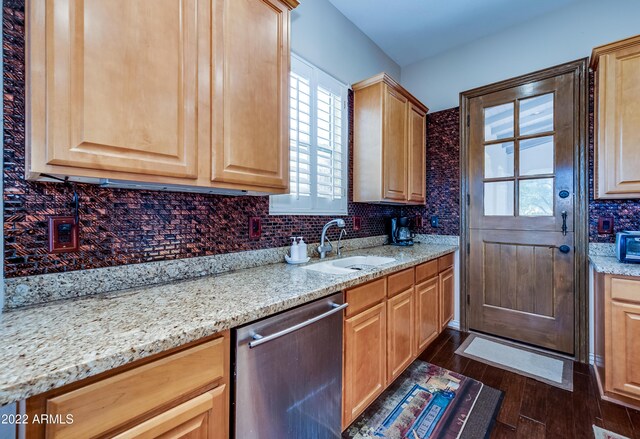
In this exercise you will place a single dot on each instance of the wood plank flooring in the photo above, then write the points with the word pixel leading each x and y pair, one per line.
pixel 532 409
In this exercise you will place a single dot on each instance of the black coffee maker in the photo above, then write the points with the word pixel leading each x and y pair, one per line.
pixel 399 231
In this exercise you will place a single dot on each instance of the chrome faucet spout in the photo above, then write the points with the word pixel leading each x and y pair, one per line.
pixel 325 246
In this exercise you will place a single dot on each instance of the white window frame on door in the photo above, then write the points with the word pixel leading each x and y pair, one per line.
pixel 297 203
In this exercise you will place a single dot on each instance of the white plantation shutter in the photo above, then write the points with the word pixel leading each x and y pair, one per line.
pixel 317 144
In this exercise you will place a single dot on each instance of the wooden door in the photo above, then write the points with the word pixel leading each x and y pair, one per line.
pixel 400 333
pixel 521 189
pixel 417 155
pixel 365 360
pixel 394 145
pixel 446 287
pixel 251 93
pixel 121 84
pixel 625 349
pixel 427 313
pixel 617 155
pixel 203 417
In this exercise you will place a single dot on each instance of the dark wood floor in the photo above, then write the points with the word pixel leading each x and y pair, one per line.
pixel 531 409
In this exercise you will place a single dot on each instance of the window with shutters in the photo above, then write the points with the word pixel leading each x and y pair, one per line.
pixel 317 144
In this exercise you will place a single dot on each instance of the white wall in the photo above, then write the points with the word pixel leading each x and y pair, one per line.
pixel 326 38
pixel 564 35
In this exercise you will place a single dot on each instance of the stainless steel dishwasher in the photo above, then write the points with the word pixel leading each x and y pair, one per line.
pixel 288 374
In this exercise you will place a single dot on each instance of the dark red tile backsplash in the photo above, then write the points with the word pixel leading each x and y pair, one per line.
pixel 126 226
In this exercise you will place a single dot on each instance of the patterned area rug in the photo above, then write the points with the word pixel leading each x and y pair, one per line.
pixel 427 401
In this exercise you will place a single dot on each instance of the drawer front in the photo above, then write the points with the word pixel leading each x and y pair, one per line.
pixel 365 296
pixel 112 402
pixel 426 271
pixel 445 262
pixel 400 281
pixel 625 289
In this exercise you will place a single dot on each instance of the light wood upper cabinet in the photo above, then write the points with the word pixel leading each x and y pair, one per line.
pixel 389 143
pixel 617 150
pixel 172 92
pixel 394 141
pixel 365 360
pixel 417 189
pixel 251 81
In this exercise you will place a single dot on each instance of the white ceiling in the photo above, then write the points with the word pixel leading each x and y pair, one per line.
pixel 411 30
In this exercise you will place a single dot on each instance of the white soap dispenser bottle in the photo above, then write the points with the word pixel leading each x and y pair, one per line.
pixel 302 249
pixel 295 254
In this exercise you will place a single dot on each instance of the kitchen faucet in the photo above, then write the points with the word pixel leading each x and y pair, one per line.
pixel 324 248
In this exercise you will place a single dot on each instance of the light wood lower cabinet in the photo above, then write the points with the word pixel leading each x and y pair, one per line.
pixel 365 360
pixel 446 288
pixel 202 417
pixel 617 337
pixel 388 323
pixel 179 394
pixel 624 367
pixel 427 313
pixel 400 333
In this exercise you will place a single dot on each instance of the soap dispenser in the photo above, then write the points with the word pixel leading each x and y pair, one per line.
pixel 295 250
pixel 302 248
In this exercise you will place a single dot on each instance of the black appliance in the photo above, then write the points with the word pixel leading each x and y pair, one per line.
pixel 399 231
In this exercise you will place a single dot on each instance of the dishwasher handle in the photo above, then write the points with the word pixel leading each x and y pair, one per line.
pixel 259 339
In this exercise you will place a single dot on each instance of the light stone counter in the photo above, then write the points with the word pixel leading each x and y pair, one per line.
pixel 48 346
pixel 603 258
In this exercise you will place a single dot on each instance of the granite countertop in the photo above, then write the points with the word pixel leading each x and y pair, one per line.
pixel 604 260
pixel 48 346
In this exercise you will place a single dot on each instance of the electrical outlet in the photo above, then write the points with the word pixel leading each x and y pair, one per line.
pixel 357 223
pixel 418 221
pixel 435 221
pixel 255 227
pixel 63 234
pixel 605 225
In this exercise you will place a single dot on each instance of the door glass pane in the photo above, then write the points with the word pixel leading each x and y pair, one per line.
pixel 498 122
pixel 498 160
pixel 536 156
pixel 536 115
pixel 498 198
pixel 536 197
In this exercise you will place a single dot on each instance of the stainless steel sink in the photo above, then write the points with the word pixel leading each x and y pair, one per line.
pixel 349 265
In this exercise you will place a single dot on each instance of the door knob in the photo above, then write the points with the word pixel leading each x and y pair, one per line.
pixel 564 249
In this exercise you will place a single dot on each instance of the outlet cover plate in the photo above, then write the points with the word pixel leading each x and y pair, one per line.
pixel 63 234
pixel 255 227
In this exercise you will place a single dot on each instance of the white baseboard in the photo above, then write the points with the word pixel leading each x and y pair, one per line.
pixel 454 324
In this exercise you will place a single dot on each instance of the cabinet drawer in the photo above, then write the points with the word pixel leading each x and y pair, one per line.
pixel 400 281
pixel 625 289
pixel 426 271
pixel 365 296
pixel 112 402
pixel 445 262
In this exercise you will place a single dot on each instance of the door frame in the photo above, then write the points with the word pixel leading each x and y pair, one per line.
pixel 579 69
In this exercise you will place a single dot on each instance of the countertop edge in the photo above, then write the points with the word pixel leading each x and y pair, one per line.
pixel 63 376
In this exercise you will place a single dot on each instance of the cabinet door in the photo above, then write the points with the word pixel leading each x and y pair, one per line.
pixel 365 360
pixel 625 349
pixel 427 313
pixel 121 84
pixel 394 146
pixel 400 333
pixel 203 417
pixel 417 150
pixel 446 297
pixel 251 93
pixel 618 140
